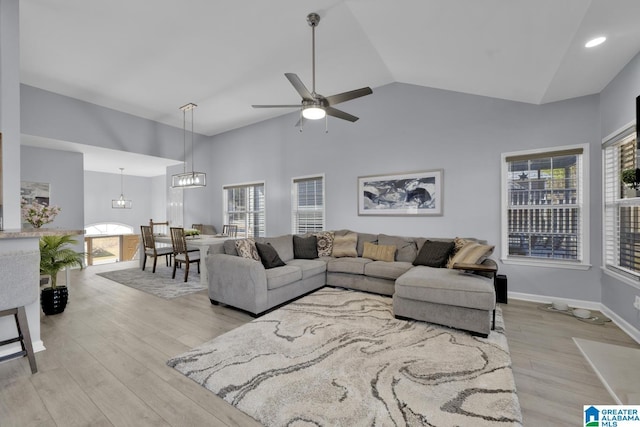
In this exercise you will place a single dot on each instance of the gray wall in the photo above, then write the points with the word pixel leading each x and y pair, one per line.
pixel 64 171
pixel 101 188
pixel 60 117
pixel 411 128
pixel 617 107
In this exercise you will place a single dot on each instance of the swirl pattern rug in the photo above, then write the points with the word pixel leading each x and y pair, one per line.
pixel 340 358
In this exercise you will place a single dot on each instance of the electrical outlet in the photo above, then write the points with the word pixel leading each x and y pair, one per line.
pixel 636 304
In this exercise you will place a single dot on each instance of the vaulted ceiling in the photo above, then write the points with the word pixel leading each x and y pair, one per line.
pixel 149 57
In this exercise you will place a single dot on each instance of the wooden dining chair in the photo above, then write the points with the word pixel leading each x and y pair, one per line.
pixel 230 230
pixel 198 227
pixel 182 254
pixel 152 250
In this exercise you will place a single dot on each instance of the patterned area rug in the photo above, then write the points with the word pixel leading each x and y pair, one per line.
pixel 340 358
pixel 159 283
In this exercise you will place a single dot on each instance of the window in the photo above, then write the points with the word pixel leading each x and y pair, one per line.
pixel 621 228
pixel 244 207
pixel 545 214
pixel 307 204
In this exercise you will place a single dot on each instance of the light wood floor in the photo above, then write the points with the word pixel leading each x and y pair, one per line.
pixel 106 354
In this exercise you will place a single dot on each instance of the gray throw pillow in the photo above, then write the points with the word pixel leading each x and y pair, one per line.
pixel 269 256
pixel 305 247
pixel 434 254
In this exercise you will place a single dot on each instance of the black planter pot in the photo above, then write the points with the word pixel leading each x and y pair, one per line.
pixel 54 301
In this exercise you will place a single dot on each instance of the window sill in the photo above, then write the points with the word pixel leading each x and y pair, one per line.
pixel 546 264
pixel 621 277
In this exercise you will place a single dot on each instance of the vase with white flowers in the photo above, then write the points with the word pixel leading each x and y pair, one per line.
pixel 38 214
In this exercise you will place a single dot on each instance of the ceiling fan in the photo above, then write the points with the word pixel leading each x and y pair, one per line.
pixel 315 106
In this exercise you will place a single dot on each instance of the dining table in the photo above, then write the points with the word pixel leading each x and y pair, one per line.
pixel 207 244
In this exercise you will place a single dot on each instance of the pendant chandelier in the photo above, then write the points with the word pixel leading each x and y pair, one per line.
pixel 121 203
pixel 188 179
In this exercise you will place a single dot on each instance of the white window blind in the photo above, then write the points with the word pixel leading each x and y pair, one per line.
pixel 307 202
pixel 621 228
pixel 244 206
pixel 544 218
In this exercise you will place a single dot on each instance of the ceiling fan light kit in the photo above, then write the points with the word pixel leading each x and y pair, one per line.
pixel 186 179
pixel 315 106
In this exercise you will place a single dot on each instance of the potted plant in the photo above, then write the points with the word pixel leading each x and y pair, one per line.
pixel 54 256
pixel 631 177
pixel 191 232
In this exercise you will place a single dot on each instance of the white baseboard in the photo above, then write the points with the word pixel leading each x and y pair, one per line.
pixel 15 347
pixel 627 327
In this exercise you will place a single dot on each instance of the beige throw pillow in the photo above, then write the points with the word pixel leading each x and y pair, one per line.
pixel 470 253
pixel 345 246
pixel 379 252
pixel 247 249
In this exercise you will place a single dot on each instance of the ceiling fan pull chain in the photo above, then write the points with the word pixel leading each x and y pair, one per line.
pixel 326 124
pixel 301 121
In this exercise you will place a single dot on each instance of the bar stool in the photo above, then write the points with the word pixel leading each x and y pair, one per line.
pixel 19 278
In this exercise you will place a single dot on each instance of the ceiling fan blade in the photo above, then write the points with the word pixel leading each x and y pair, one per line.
pixel 300 87
pixel 276 106
pixel 346 96
pixel 340 114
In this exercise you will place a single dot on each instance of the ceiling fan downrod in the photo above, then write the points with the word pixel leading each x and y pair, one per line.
pixel 313 19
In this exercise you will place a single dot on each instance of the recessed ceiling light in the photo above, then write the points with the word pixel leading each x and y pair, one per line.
pixel 595 42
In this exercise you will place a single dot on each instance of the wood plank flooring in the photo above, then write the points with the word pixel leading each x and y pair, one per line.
pixel 105 363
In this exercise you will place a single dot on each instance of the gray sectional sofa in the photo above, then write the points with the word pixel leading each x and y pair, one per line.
pixel 439 295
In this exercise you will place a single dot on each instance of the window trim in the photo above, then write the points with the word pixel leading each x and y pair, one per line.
pixel 613 138
pixel 584 264
pixel 225 213
pixel 294 205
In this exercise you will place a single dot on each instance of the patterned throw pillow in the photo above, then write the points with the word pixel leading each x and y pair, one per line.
pixel 325 243
pixel 345 246
pixel 469 252
pixel 379 252
pixel 247 249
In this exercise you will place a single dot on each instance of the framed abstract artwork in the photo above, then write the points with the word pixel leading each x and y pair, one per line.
pixel 407 194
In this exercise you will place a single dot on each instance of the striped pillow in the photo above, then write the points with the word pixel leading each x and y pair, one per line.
pixel 379 252
pixel 470 253
pixel 345 246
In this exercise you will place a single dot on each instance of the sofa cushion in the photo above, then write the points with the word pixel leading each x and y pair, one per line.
pixel 446 286
pixel 387 270
pixel 325 243
pixel 268 255
pixel 347 265
pixel 365 237
pixel 305 247
pixel 309 267
pixel 282 244
pixel 434 254
pixel 230 247
pixel 406 246
pixel 469 252
pixel 247 249
pixel 420 241
pixel 282 276
pixel 345 245
pixel 379 252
